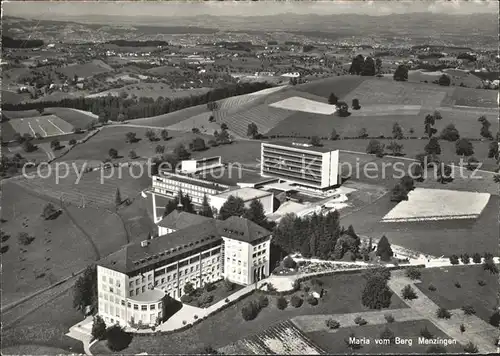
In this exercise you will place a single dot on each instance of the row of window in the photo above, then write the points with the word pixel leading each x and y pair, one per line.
pixel 256 254
pixel 139 280
pixel 111 281
pixel 174 185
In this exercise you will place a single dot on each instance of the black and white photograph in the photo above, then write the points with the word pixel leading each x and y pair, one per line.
pixel 250 177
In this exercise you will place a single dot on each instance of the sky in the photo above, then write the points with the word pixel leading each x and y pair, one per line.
pixel 61 10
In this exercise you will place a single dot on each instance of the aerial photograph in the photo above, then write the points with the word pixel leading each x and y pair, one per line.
pixel 250 177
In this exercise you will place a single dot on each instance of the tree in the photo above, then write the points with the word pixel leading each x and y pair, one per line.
pixel 28 146
pixel 334 135
pixel 468 309
pixel 255 213
pixel 407 182
pixel 49 211
pixel 464 147
pixel 493 150
pixel 151 135
pixel 117 338
pixel 234 206
pixel 355 104
pixel 188 288
pixel 281 303
pixel 399 193
pixel 113 153
pixel 443 313
pixel 198 144
pixel 342 109
pixel 368 68
pixel 288 262
pixel 223 126
pixel 130 137
pixel 450 133
pixel 375 147
pixel 384 249
pixel 164 135
pixel 118 197
pixel 495 319
pixel 413 272
pixel 408 293
pixel 72 142
pixel 160 149
pixel 437 115
pixel 332 324
pixel 444 80
pixel 378 65
pixel 489 265
pixel 296 301
pixel 465 258
pixel 315 141
pixel 98 328
pixel 376 294
pixel 397 131
pixel 180 153
pixel 454 260
pixel 206 210
pixel 401 73
pixel 433 147
pixel 252 130
pixel 362 133
pixel 25 239
pixel 387 334
pixel 55 144
pixel 357 65
pixel 395 147
pixel 85 289
pixel 250 310
pixel 132 154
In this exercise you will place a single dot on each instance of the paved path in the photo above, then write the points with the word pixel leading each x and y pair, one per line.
pixel 311 323
pixel 83 332
pixel 477 331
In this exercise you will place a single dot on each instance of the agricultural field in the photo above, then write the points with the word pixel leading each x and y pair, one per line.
pixel 227 326
pixel 475 97
pixel 244 152
pixel 44 126
pixel 42 263
pixel 436 238
pixel 171 118
pixel 304 105
pixel 457 77
pixel 200 122
pixel 114 137
pixel 341 86
pixel 434 204
pixel 86 70
pixel 333 342
pixel 447 295
pixel 151 90
pixel 10 97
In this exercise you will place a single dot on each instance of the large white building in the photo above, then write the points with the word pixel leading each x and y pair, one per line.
pixel 302 164
pixel 247 195
pixel 133 281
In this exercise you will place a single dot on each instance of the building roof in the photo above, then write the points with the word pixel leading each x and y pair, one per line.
pixel 150 296
pixel 196 180
pixel 178 220
pixel 133 257
pixel 286 144
pixel 245 193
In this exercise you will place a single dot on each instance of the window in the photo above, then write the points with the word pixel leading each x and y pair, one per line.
pixel 152 307
pixel 180 273
pixel 149 277
pixel 104 278
pixel 111 289
pixel 168 278
pixel 137 282
pixel 137 291
pixel 197 267
pixel 131 293
pixel 136 307
pixel 144 307
pixel 130 284
pixel 118 283
pixel 162 280
pixel 192 268
pixel 143 289
pixel 128 305
pixel 143 279
pixel 110 280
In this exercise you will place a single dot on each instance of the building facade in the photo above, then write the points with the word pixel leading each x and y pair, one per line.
pixel 302 164
pixel 133 282
pixel 247 195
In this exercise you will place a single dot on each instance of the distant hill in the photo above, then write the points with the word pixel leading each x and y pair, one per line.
pixel 9 42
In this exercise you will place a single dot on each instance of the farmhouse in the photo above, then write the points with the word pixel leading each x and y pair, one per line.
pixel 301 164
pixel 133 281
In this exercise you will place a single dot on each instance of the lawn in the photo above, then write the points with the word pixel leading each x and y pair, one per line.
pixel 447 295
pixel 171 118
pixel 433 237
pixel 218 293
pixel 228 326
pixel 42 332
pixel 475 97
pixel 333 342
pixel 59 247
pixel 244 152
pixel 340 86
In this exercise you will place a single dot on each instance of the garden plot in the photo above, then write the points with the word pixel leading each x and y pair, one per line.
pixel 438 204
pixel 49 125
pixel 297 103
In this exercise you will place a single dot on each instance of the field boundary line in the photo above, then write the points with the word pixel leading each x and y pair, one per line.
pixel 57 127
pixel 31 128
pixel 41 128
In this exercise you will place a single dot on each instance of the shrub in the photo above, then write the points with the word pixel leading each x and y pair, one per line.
pixel 389 318
pixel 72 142
pixel 312 301
pixel 209 287
pixel 332 324
pixel 476 258
pixel 360 321
pixel 465 258
pixel 454 260
pixel 425 333
pixel 184 322
pixel 228 285
pixel 413 272
pixel 205 299
pixel 281 303
pixel 375 147
pixel 450 133
pixel 296 301
pixel 431 287
pixel 227 300
pixel 376 294
pixel 49 211
pixel 270 287
pixel 250 310
pixel 468 310
pixel 25 239
pixel 288 262
pixel 117 338
pixel 188 288
pixel 470 348
pixel 462 328
pixel 317 282
pixel 113 153
pixel 263 301
pixel 481 282
pixel 186 298
pixel 490 266
pixel 408 293
pixel 443 313
pixel 458 285
pixel 388 334
pixel 296 285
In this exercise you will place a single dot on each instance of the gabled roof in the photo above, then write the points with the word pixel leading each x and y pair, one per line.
pixel 178 220
pixel 133 257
